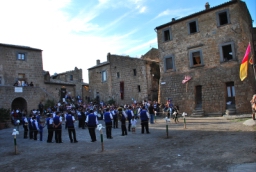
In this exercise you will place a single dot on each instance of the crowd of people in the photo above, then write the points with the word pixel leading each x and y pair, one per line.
pixel 88 115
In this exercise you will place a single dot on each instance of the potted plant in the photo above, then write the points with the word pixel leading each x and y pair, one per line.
pixel 4 117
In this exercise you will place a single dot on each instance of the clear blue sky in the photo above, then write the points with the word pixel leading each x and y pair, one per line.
pixel 75 33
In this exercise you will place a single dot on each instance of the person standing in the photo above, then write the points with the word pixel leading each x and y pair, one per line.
pixel 83 117
pixel 35 128
pixel 130 114
pixel 144 117
pixel 57 123
pixel 92 122
pixel 70 120
pixel 41 126
pixel 49 123
pixel 79 116
pixel 41 108
pixel 151 113
pixel 115 118
pixel 133 122
pixel 108 122
pixel 176 113
pixel 30 126
pixel 25 126
pixel 122 117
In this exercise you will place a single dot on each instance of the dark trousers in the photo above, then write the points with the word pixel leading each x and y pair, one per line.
pixel 25 131
pixel 41 135
pixel 108 129
pixel 176 118
pixel 144 124
pixel 129 124
pixel 30 133
pixel 124 129
pixel 79 122
pixel 50 134
pixel 83 123
pixel 71 130
pixel 58 135
pixel 35 132
pixel 92 133
pixel 115 122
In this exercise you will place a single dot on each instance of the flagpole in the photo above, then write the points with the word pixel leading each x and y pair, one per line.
pixel 253 63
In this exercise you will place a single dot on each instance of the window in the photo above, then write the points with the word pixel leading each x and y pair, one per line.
pixel 0 80
pixel 139 88
pixel 167 35
pixel 169 62
pixel 71 77
pixel 104 76
pixel 192 27
pixel 134 72
pixel 22 79
pixel 227 52
pixel 196 58
pixel 223 17
pixel 117 75
pixel 21 56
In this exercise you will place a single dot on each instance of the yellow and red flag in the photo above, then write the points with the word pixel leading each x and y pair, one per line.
pixel 244 64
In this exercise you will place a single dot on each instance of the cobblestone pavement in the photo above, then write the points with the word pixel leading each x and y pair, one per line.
pixel 207 144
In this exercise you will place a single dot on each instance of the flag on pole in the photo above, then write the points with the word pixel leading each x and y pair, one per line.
pixel 251 61
pixel 244 64
pixel 186 79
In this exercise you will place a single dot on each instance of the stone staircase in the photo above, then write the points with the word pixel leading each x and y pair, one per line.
pixel 198 112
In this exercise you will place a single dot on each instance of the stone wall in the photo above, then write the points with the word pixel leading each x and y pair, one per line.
pixel 31 68
pixel 10 67
pixel 213 74
pixel 139 76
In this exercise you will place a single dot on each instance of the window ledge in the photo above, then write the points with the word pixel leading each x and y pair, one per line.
pixel 229 61
pixel 223 25
pixel 196 66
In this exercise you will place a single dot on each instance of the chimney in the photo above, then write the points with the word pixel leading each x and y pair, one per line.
pixel 173 19
pixel 207 6
pixel 98 62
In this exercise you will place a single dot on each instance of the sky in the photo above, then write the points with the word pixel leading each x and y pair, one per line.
pixel 76 33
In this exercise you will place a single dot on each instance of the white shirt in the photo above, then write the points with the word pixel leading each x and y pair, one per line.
pixel 50 121
pixel 25 120
pixel 36 124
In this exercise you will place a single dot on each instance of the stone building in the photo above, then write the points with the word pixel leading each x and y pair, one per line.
pixel 71 83
pixel 21 65
pixel 125 79
pixel 207 46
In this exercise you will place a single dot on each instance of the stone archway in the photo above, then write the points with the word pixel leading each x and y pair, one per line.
pixel 19 103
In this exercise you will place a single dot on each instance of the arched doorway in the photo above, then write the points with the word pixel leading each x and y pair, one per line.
pixel 19 103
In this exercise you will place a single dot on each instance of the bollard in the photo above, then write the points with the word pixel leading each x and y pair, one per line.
pixel 99 127
pixel 167 131
pixel 14 133
pixel 184 117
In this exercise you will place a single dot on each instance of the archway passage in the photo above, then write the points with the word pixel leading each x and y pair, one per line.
pixel 19 103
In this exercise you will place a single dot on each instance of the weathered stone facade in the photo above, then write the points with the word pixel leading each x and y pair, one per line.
pixel 125 79
pixel 23 65
pixel 209 47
